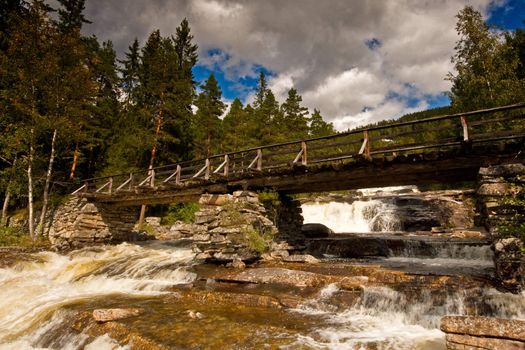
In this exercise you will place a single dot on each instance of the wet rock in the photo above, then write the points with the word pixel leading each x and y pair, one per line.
pixel 106 315
pixel 194 314
pixel 316 231
pixel 510 263
pixel 279 276
pixel 306 258
pixel 237 264
pixel 475 332
pixel 495 189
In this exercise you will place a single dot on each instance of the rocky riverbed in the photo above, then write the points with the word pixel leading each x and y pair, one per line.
pixel 49 301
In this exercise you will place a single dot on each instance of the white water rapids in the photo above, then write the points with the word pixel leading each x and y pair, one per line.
pixel 359 216
pixel 32 292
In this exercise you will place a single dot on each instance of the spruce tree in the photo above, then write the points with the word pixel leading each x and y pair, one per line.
pixel 207 122
pixel 294 121
pixel 318 127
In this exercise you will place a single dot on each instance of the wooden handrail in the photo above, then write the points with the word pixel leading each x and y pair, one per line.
pixel 232 158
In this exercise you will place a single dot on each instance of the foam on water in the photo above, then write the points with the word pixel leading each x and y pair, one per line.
pixel 387 319
pixel 359 216
pixel 32 292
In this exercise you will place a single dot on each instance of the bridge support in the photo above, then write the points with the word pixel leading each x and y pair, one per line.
pixel 500 194
pixel 79 222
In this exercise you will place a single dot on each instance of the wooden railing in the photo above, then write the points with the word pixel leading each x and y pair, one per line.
pixel 444 132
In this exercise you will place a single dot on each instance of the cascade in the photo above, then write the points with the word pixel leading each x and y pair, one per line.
pixel 360 216
pixel 34 291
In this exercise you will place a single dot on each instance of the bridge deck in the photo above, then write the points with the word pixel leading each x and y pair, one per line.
pixel 440 149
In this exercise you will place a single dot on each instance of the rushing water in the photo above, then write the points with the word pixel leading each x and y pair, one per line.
pixel 33 292
pixel 38 298
pixel 360 216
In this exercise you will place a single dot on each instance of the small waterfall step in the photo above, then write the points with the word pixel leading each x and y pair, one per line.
pixel 413 254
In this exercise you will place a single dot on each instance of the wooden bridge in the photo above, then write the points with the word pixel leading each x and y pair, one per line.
pixel 448 148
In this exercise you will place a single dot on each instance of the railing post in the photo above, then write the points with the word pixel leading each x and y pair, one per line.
pixel 226 165
pixel 207 171
pixel 110 187
pixel 365 147
pixel 259 159
pixel 177 176
pixel 86 185
pixel 152 181
pixel 464 124
pixel 304 158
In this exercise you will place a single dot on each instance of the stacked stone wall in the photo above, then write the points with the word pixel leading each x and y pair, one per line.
pixel 498 189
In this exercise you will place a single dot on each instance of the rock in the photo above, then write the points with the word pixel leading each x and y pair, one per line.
pixel 316 231
pixel 201 237
pixel 301 258
pixel 203 256
pixel 504 170
pixel 215 199
pixel 153 221
pixel 476 332
pixel 194 314
pixel 237 264
pixel 510 263
pixel 495 189
pixel 279 276
pixel 106 315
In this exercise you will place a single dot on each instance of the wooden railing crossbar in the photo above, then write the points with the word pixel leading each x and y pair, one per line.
pixel 229 163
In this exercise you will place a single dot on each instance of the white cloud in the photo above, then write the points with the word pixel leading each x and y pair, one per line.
pixel 317 46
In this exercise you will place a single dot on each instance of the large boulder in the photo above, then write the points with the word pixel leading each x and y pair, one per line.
pixel 316 231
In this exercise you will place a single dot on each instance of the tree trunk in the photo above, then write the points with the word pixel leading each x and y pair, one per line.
pixel 3 218
pixel 151 162
pixel 47 184
pixel 74 165
pixel 30 187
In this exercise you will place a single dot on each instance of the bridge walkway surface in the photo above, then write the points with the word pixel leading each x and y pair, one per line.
pixel 448 148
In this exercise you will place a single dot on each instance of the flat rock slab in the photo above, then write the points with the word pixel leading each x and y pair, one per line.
pixel 297 278
pixel 306 258
pixel 485 327
pixel 106 315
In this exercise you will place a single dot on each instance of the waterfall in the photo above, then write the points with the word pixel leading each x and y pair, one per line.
pixel 385 319
pixel 33 292
pixel 359 216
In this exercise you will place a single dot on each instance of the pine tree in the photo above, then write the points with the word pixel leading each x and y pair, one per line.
pixel 235 129
pixel 294 121
pixel 130 74
pixel 261 91
pixel 71 16
pixel 318 127
pixel 207 122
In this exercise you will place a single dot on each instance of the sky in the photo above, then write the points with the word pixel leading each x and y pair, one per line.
pixel 357 61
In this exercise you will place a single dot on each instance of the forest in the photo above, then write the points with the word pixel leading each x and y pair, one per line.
pixel 70 109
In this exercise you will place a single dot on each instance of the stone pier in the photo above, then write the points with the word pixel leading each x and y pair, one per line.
pixel 79 222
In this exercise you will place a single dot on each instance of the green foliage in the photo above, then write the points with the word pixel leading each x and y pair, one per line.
pixel 256 241
pixel 487 66
pixel 14 237
pixel 180 212
pixel 271 202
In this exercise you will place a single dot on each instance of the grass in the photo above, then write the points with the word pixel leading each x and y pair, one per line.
pixel 180 212
pixel 14 237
